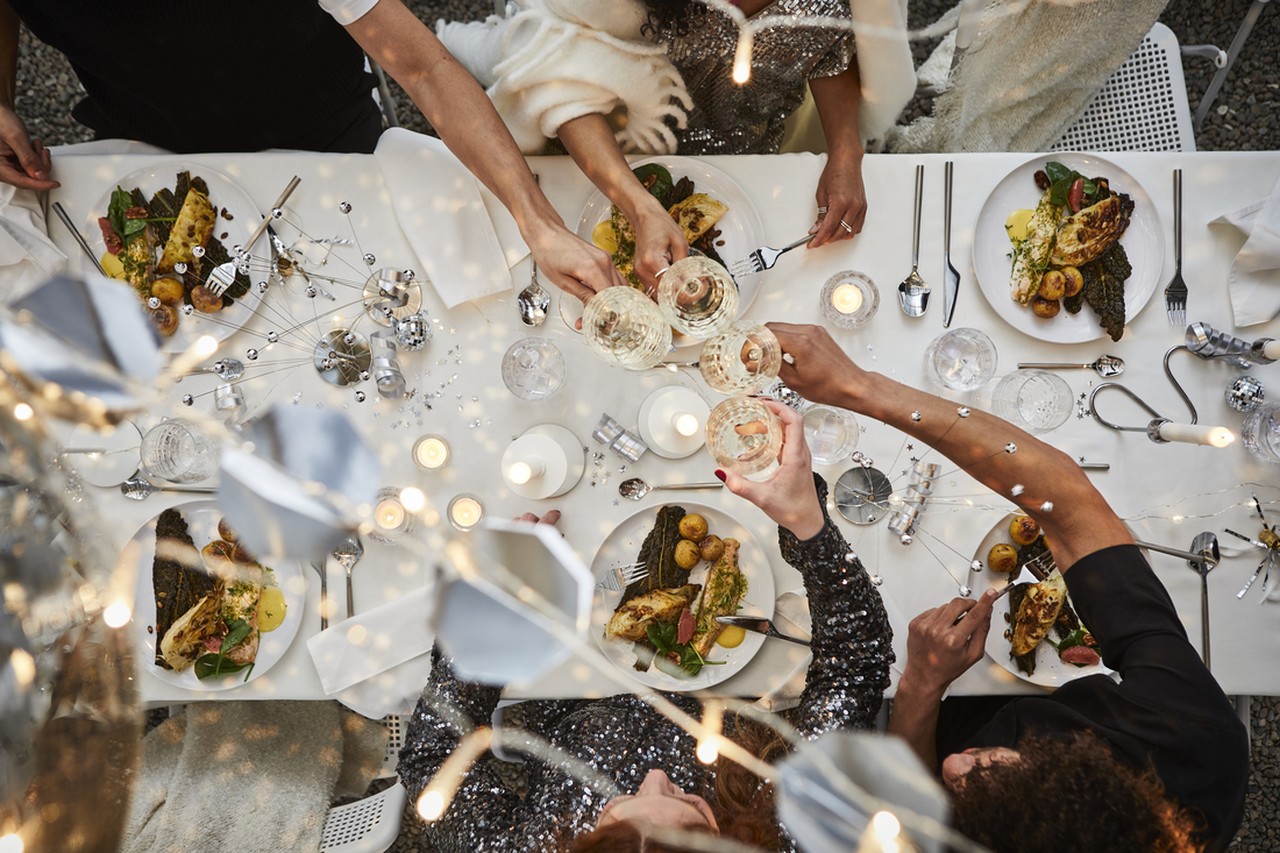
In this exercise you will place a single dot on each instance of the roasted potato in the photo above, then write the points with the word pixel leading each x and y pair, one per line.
pixel 165 319
pixel 1022 530
pixel 711 547
pixel 693 527
pixel 167 290
pixel 1045 309
pixel 1053 285
pixel 1074 279
pixel 1002 558
pixel 687 555
pixel 205 300
pixel 225 531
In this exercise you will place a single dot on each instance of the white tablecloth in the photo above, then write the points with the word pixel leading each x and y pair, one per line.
pixel 1168 492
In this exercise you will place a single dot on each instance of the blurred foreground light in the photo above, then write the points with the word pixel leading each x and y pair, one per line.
pixel 742 56
pixel 22 412
pixel 117 614
pixel 885 827
pixel 708 750
pixel 430 806
pixel 413 499
pixel 10 843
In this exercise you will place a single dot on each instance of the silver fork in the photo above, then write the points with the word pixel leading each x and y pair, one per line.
pixel 1175 295
pixel 224 274
pixel 620 577
pixel 1033 571
pixel 764 258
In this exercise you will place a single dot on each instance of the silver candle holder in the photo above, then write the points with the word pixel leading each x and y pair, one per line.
pixel 918 491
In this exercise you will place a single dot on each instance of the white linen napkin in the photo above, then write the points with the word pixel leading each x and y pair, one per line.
pixel 464 238
pixel 27 255
pixel 1254 281
pixel 791 617
pixel 377 662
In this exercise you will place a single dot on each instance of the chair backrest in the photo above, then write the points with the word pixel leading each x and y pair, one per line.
pixel 395 726
pixel 1142 106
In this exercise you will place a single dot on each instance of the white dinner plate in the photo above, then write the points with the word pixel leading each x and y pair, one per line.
pixel 741 230
pixel 622 546
pixel 1051 671
pixel 202 523
pixel 224 193
pixel 1143 242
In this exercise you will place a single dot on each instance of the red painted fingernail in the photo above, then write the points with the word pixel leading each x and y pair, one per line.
pixel 720 475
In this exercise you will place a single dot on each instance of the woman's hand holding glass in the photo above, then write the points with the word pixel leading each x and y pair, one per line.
pixel 789 497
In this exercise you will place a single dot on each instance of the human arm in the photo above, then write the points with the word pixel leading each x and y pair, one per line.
pixel 1055 491
pixel 462 114
pixel 840 188
pixel 659 241
pixel 24 162
pixel 852 641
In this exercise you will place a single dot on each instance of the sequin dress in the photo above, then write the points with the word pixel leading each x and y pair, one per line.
pixel 622 737
pixel 730 119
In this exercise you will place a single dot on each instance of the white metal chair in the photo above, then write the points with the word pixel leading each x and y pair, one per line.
pixel 371 824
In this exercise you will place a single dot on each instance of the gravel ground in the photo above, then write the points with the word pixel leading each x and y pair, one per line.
pixel 1245 116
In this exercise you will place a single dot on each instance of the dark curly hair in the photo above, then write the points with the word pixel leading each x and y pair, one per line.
pixel 675 15
pixel 742 803
pixel 1068 795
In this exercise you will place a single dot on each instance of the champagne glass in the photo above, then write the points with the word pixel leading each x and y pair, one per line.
pixel 626 328
pixel 698 297
pixel 742 360
pixel 745 437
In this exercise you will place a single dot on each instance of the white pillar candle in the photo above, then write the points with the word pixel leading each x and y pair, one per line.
pixel 1271 350
pixel 430 452
pixel 846 298
pixel 1213 436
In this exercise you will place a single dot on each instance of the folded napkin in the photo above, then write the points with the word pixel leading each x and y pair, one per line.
pixel 248 776
pixel 27 255
pixel 791 617
pixel 377 662
pixel 464 238
pixel 1254 281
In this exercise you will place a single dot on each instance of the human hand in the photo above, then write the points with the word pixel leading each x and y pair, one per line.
pixel 572 265
pixel 659 243
pixel 944 642
pixel 24 162
pixel 818 370
pixel 551 516
pixel 842 201
pixel 789 497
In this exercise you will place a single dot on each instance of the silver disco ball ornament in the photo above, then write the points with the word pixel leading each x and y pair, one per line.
pixel 413 332
pixel 1244 394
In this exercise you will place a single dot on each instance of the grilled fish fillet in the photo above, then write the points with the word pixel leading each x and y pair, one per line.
pixel 1031 256
pixel 632 619
pixel 1089 233
pixel 192 228
pixel 185 639
pixel 725 588
pixel 1036 613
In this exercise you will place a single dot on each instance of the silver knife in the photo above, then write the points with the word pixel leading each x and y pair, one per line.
pixel 950 277
pixel 759 625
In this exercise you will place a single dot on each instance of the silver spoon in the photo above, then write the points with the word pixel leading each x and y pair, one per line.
pixel 1206 545
pixel 532 302
pixel 348 554
pixel 136 488
pixel 226 369
pixel 913 293
pixel 635 488
pixel 1105 365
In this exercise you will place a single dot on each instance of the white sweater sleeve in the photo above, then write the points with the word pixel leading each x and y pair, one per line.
pixel 347 11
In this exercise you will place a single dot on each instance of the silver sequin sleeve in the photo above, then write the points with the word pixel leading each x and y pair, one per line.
pixel 622 737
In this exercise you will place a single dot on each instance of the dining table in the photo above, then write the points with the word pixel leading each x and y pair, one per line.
pixel 1165 492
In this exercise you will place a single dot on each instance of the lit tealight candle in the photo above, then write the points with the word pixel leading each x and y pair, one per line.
pixel 465 512
pixel 389 514
pixel 685 424
pixel 846 298
pixel 430 452
pixel 1214 436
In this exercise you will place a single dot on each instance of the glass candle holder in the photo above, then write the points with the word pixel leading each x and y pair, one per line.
pixel 465 511
pixel 391 520
pixel 849 299
pixel 745 437
pixel 743 360
pixel 961 360
pixel 626 328
pixel 533 369
pixel 1035 400
pixel 698 297
pixel 431 452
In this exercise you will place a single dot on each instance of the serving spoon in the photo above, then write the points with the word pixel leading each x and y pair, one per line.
pixel 1105 365
pixel 635 488
pixel 137 488
pixel 913 293
pixel 533 301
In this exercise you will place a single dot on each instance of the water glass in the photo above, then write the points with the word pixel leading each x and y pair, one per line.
pixel 626 328
pixel 178 452
pixel 831 433
pixel 698 297
pixel 1034 400
pixel 961 360
pixel 533 369
pixel 1260 433
pixel 745 437
pixel 743 360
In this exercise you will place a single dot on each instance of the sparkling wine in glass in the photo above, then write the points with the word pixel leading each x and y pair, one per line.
pixel 745 437
pixel 698 297
pixel 626 328
pixel 742 360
